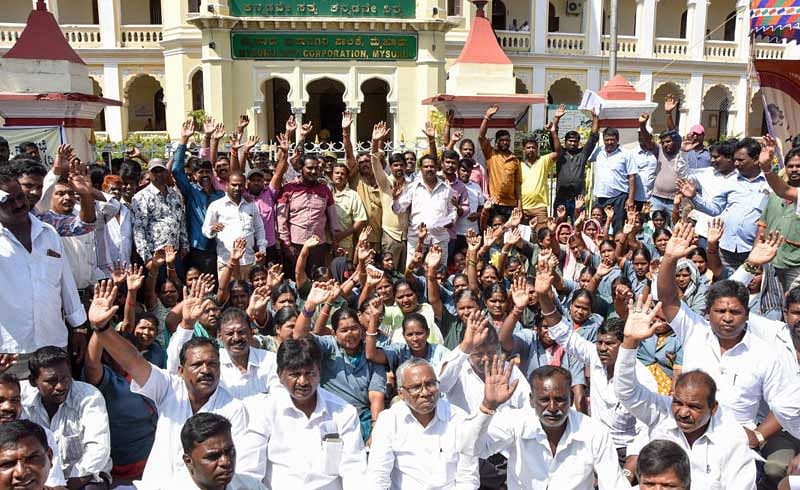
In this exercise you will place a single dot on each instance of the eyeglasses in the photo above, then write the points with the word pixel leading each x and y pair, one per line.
pixel 417 389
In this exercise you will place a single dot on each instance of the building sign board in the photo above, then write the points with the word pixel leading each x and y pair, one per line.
pixel 399 9
pixel 345 46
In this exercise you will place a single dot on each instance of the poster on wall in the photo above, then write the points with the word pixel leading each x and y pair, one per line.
pixel 46 138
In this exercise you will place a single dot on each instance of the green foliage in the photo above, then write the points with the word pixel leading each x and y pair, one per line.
pixel 151 146
pixel 199 117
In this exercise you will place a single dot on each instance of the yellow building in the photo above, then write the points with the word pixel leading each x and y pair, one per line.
pixel 381 58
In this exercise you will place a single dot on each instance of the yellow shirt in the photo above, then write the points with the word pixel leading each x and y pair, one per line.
pixel 535 189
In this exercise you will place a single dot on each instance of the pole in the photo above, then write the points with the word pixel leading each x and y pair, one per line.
pixel 612 41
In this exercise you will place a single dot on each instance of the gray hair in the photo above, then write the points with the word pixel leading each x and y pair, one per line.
pixel 413 362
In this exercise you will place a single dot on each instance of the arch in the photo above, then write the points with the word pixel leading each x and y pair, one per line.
pixel 197 90
pixel 658 119
pixel 499 21
pixel 729 31
pixel 716 105
pixel 564 91
pixel 325 106
pixel 144 101
pixel 277 108
pixel 757 124
pixel 665 19
pixel 100 119
pixel 374 109
pixel 552 19
pixel 520 88
pixel 684 17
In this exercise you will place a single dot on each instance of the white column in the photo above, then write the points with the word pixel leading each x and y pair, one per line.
pixel 645 27
pixel 538 111
pixel 594 26
pixel 593 78
pixel 696 27
pixel 112 89
pixel 109 14
pixel 645 83
pixel 298 118
pixel 742 105
pixel 694 102
pixel 395 134
pixel 539 13
pixel 743 30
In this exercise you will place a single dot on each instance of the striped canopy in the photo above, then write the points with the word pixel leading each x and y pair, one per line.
pixel 778 19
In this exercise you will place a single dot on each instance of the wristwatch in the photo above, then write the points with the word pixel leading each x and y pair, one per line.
pixel 82 330
pixel 751 269
pixel 628 474
pixel 760 438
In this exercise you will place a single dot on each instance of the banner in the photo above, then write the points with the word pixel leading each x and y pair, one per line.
pixel 775 19
pixel 47 138
pixel 780 94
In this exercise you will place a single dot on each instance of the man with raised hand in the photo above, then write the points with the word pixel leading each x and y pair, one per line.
pixel 718 450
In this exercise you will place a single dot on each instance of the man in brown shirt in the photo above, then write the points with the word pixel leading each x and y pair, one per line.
pixel 362 180
pixel 502 167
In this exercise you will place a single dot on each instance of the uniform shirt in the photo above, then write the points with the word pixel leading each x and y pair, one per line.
pixel 404 455
pixel 432 207
pixel 645 162
pixel 303 212
pixel 462 386
pixel 38 286
pixel 504 174
pixel 611 171
pixel 284 446
pixel 241 220
pixel 80 426
pixel 606 408
pixel 535 184
pixel 349 209
pixel 534 355
pixel 720 458
pixel 744 374
pixel 351 379
pixel 171 397
pixel 585 448
pixel 158 220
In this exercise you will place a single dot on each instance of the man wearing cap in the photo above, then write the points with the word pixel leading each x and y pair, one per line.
pixel 328 160
pixel 698 157
pixel 158 216
pixel 668 166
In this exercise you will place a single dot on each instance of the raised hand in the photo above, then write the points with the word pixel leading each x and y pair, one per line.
pixel 170 254
pixel 379 132
pixel 476 331
pixel 6 361
pixel 63 156
pixel 397 188
pixel 334 290
pixel 434 257
pixel 514 236
pixel 236 140
pixel 492 110
pixel 456 137
pixel 219 131
pixel 422 232
pixel 519 292
pixel 238 249
pixel 244 120
pixel 715 229
pixel 496 386
pixel 305 129
pixel 364 253
pixel 515 219
pixel 347 120
pixel 291 125
pixel 544 278
pixel 429 131
pixel 205 284
pixel 670 103
pixel 274 276
pixel 374 277
pixel 103 305
pixel 194 302
pixel 252 142
pixel 312 242
pixel 686 188
pixel 605 267
pixel 118 272
pixel 640 324
pixel 767 156
pixel 208 126
pixel 187 130
pixel 580 201
pixel 217 227
pixel 259 299
pixel 643 118
pixel 680 244
pixel 609 211
pixel 318 293
pixel 561 212
pixel 363 237
pixel 765 248
pixel 473 241
pixel 562 109
pixel 134 277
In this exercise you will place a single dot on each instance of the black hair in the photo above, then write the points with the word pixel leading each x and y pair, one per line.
pixel 130 170
pixel 621 280
pixel 320 272
pixel 792 297
pixel 415 317
pixel 426 156
pixel 409 152
pixel 13 432
pixel 450 155
pixel 284 315
pixel 202 165
pixel 396 157
pixel 97 173
pixel 234 315
pixel 28 166
pixel 298 353
pixel 661 455
pixel 701 252
pixel 201 427
pixel 343 313
pixel 613 326
pixel 542 234
pixel 547 372
pixel 195 342
pixel 467 294
pixel 724 148
pixel 530 139
pixel 661 231
pixel 494 288
pixel 283 288
pixel 46 357
pixel 402 282
pixel 644 253
pixel 589 270
pixel 10 380
pixel 238 283
pixel 752 147
pixel 572 135
pixel 583 293
pixel 703 377
pixel 614 132
pixel 501 133
pixel 794 152
pixel 362 308
pixel 464 142
pixel 728 289
pixel 257 269
pixel 28 145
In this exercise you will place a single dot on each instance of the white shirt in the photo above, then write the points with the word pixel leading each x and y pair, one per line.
pixel 463 387
pixel 171 397
pixel 56 476
pixel 710 183
pixel 288 446
pixel 240 220
pixel 80 427
pixel 434 208
pixel 240 482
pixel 119 236
pixel 744 374
pixel 585 448
pixel 720 458
pixel 261 367
pixel 605 407
pixel 476 200
pixel 36 286
pixel 407 456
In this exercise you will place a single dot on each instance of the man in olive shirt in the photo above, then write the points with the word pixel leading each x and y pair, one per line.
pixel 781 214
pixel 502 166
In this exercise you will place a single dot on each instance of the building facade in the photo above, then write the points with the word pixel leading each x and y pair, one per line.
pixel 381 58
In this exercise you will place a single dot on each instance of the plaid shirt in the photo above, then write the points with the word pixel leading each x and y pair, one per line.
pixel 66 224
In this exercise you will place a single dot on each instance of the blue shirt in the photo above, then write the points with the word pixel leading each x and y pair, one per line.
pixel 196 199
pixel 698 159
pixel 350 378
pixel 611 171
pixel 739 205
pixel 669 355
pixel 533 355
pixel 132 419
pixel 397 354
pixel 645 163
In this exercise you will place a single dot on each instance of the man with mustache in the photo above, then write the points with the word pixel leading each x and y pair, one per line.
pixel 301 435
pixel 195 389
pixel 197 196
pixel 600 357
pixel 549 444
pixel 25 458
pixel 76 413
pixel 717 448
pixel 502 166
pixel 414 443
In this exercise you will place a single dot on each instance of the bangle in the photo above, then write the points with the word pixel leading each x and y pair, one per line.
pixel 372 334
pixel 487 411
pixel 750 268
pixel 549 312
pixel 307 314
pixel 760 437
pixel 327 304
pixel 472 262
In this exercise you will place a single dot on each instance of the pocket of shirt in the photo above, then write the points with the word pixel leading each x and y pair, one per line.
pixel 72 450
pixel 48 270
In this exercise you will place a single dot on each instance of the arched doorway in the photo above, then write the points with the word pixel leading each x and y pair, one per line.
pixel 665 19
pixel 729 33
pixel 757 123
pixel 374 109
pixel 197 90
pixel 658 119
pixel 276 106
pixel 523 121
pixel 325 107
pixel 144 99
pixel 564 91
pixel 100 120
pixel 499 15
pixel 716 103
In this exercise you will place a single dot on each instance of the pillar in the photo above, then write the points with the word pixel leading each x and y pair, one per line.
pixel 742 105
pixel 696 27
pixel 538 111
pixel 695 103
pixel 645 83
pixel 539 27
pixel 594 26
pixel 218 7
pixel 218 75
pixel 109 13
pixel 742 31
pixel 112 89
pixel 593 79
pixel 298 118
pixel 645 27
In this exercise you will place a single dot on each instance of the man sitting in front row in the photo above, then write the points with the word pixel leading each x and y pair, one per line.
pixel 25 458
pixel 663 464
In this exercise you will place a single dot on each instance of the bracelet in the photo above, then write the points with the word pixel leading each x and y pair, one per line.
pixel 760 438
pixel 101 328
pixel 372 334
pixel 472 262
pixel 549 312
pixel 82 330
pixel 329 305
pixel 750 268
pixel 487 411
pixel 307 314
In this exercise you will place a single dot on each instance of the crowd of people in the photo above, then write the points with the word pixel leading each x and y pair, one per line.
pixel 392 321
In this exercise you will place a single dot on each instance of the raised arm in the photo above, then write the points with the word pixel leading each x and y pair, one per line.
pixel 553 129
pixel 80 183
pixel 282 164
pixel 379 133
pixel 644 134
pixel 93 368
pixel 430 134
pixel 317 295
pixel 765 159
pixel 715 229
pixel 432 261
pixel 486 145
pixel 216 137
pixel 371 350
pixel 670 104
pixel 349 154
pixel 302 259
pixel 679 246
pixel 101 311
pixel 473 245
pixel 134 279
pixel 519 296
